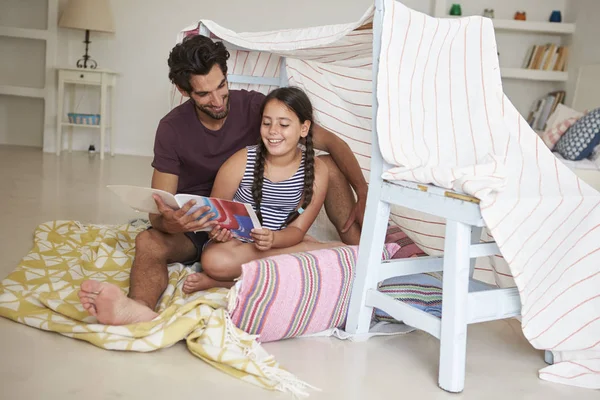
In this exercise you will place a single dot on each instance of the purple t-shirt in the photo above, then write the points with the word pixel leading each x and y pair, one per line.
pixel 184 147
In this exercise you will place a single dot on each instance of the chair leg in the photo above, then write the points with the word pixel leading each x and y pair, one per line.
pixel 475 239
pixel 455 291
pixel 367 264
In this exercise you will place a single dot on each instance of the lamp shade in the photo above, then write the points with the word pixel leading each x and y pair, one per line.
pixel 93 15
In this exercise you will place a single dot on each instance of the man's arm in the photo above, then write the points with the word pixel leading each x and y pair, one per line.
pixel 168 183
pixel 346 161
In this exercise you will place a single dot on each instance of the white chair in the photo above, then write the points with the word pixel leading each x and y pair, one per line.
pixel 464 224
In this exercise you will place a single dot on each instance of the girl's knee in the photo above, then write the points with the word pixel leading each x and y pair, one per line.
pixel 218 263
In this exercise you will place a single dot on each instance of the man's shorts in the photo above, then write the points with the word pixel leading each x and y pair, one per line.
pixel 200 239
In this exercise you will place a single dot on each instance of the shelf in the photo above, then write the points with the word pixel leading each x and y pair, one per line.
pixel 24 33
pixel 80 125
pixel 534 75
pixel 560 28
pixel 22 91
pixel 557 28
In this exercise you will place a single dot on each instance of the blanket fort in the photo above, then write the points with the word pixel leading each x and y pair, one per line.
pixel 544 219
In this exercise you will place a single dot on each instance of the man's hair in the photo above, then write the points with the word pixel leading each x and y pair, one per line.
pixel 195 55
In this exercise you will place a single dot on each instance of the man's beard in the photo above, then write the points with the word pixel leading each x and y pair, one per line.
pixel 208 110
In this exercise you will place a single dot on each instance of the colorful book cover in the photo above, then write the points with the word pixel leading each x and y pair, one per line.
pixel 239 218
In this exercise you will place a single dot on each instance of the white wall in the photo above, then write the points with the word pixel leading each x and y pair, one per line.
pixel 146 32
pixel 585 48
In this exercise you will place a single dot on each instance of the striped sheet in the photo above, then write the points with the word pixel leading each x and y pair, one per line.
pixel 540 219
pixel 444 119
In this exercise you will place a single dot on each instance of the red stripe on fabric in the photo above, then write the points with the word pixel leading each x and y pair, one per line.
pixel 437 69
pixel 450 100
pixel 419 220
pixel 583 366
pixel 556 298
pixel 534 302
pixel 470 118
pixel 278 68
pixel 524 242
pixel 327 89
pixel 410 102
pixel 246 60
pixel 398 91
pixel 346 59
pixel 485 98
pixel 530 214
pixel 327 56
pixel 336 106
pixel 423 91
pixel 578 330
pixel 265 70
pixel 343 122
pixel 346 76
pixel 256 64
pixel 420 233
pixel 559 247
pixel 518 200
pixel 553 233
pixel 566 377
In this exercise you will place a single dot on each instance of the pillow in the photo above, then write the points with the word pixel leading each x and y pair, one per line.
pixel 562 113
pixel 408 248
pixel 296 294
pixel 422 291
pixel 581 138
pixel 552 135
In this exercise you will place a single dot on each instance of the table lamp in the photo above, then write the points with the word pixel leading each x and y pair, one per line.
pixel 88 15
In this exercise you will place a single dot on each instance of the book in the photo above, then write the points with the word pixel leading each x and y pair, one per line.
pixel 238 218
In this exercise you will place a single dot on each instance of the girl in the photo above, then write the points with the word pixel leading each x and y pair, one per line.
pixel 285 184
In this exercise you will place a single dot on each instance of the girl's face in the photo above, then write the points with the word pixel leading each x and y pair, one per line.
pixel 281 129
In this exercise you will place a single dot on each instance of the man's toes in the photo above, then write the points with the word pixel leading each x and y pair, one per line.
pixel 91 286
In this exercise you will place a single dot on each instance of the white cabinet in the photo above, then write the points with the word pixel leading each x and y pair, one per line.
pixel 21 23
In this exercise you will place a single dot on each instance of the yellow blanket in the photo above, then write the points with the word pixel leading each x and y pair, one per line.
pixel 42 293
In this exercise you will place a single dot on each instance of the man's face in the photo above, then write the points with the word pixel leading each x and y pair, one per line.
pixel 210 93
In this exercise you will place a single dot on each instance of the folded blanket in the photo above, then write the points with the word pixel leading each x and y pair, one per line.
pixel 42 293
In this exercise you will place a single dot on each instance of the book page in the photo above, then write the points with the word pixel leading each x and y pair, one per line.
pixel 140 198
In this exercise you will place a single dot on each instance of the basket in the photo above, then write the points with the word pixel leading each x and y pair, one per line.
pixel 84 119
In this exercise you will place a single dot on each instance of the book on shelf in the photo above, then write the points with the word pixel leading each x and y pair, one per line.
pixel 547 57
pixel 543 108
pixel 238 218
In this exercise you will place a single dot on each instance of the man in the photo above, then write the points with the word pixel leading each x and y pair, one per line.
pixel 192 142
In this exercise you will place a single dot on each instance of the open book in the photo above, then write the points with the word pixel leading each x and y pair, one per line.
pixel 239 218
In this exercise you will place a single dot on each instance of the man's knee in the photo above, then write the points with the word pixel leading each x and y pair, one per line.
pixel 151 241
pixel 334 172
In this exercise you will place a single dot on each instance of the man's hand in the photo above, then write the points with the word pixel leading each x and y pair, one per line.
pixel 219 234
pixel 263 238
pixel 175 221
pixel 357 214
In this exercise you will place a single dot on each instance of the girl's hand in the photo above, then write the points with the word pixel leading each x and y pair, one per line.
pixel 263 238
pixel 220 235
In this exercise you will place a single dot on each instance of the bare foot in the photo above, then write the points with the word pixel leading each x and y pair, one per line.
pixel 200 281
pixel 110 306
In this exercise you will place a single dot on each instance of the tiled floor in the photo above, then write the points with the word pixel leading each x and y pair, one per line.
pixel 38 187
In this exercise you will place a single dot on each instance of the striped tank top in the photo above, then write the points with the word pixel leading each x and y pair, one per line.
pixel 279 199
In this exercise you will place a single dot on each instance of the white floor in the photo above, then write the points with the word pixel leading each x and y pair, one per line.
pixel 34 364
